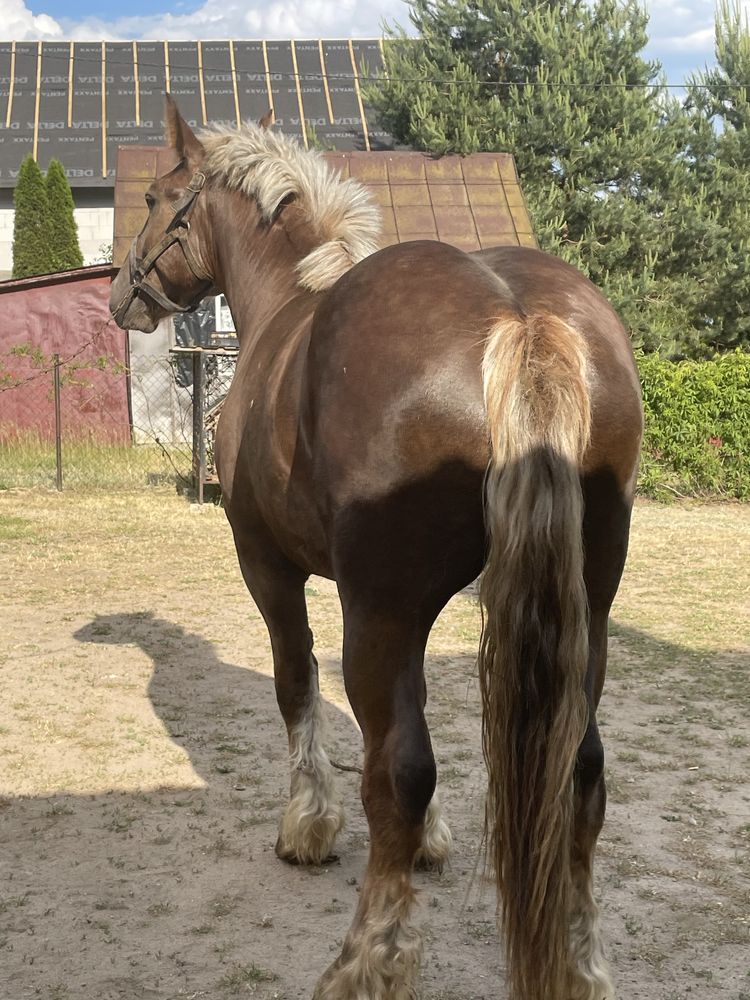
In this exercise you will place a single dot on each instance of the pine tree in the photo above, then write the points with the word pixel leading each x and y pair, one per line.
pixel 32 248
pixel 720 100
pixel 66 251
pixel 598 142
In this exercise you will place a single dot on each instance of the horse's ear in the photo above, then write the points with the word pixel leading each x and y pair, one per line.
pixel 180 136
pixel 268 119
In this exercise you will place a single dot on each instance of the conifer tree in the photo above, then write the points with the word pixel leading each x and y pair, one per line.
pixel 598 142
pixel 66 252
pixel 720 100
pixel 32 250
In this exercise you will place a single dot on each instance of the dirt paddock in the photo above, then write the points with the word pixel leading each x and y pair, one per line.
pixel 143 767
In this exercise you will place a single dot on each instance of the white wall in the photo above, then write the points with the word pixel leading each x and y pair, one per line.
pixel 95 227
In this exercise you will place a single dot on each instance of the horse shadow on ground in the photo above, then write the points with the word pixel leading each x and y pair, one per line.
pixel 176 890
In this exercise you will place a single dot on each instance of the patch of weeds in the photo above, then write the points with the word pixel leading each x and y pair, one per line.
pixel 633 925
pixel 160 909
pixel 620 791
pixel 59 809
pixel 247 822
pixel 242 976
pixel 11 902
pixel 220 847
pixel 249 778
pixel 109 904
pixel 202 929
pixel 232 748
pixel 738 741
pixel 13 527
pixel 451 774
pixel 481 930
pixel 106 928
pixel 120 821
pixel 222 906
pixel 224 948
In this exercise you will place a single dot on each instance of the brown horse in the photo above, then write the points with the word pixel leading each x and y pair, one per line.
pixel 401 421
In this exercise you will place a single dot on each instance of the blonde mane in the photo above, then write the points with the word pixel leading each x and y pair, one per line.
pixel 269 167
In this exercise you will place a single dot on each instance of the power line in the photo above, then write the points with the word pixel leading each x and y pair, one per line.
pixel 384 77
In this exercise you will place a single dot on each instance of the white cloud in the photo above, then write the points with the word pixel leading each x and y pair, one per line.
pixel 684 25
pixel 21 25
pixel 225 19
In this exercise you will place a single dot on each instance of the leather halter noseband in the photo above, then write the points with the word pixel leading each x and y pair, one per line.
pixel 177 231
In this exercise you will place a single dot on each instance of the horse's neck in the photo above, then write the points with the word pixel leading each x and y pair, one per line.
pixel 256 262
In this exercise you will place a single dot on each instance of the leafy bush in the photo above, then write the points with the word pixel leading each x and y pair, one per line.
pixel 697 437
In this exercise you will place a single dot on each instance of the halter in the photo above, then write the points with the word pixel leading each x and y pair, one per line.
pixel 177 231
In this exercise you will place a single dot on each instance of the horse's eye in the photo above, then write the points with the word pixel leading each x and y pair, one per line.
pixel 150 201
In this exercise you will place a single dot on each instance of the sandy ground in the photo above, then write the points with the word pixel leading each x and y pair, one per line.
pixel 143 768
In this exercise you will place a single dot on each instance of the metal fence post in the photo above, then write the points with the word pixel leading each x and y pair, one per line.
pixel 58 424
pixel 199 436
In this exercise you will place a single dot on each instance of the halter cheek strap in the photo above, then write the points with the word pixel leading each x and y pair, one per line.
pixel 178 231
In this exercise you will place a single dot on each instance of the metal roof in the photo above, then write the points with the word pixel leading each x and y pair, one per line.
pixel 80 101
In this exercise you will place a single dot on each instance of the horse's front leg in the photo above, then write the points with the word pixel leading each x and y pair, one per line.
pixel 383 671
pixel 314 814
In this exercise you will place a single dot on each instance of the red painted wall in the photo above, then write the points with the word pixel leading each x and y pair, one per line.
pixel 65 314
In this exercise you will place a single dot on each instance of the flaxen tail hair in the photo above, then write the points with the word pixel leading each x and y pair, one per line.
pixel 534 647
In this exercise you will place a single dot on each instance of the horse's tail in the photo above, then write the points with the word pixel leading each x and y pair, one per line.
pixel 534 646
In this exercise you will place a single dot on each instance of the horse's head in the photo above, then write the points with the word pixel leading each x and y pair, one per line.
pixel 168 269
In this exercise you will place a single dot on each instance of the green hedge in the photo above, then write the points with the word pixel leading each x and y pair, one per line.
pixel 697 438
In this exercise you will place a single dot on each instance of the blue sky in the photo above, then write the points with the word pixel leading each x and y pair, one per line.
pixel 681 30
pixel 77 10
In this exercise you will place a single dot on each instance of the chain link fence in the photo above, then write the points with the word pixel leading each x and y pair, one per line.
pixel 112 425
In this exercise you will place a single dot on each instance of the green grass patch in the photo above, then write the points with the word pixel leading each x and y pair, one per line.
pixel 27 461
pixel 241 977
pixel 13 528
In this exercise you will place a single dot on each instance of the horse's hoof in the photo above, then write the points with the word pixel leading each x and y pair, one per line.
pixel 291 856
pixel 424 864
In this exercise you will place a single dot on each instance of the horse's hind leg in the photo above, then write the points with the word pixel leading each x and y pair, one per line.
pixel 314 815
pixel 605 541
pixel 590 970
pixel 383 671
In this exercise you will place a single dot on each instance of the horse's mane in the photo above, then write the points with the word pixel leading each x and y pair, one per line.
pixel 269 167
